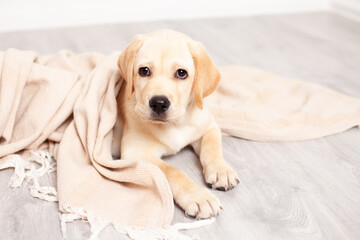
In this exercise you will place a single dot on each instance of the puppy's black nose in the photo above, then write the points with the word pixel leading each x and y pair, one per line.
pixel 159 104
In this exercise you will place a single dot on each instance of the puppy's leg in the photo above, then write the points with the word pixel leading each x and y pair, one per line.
pixel 218 174
pixel 196 201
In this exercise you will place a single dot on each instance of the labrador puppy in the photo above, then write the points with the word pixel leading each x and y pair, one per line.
pixel 167 76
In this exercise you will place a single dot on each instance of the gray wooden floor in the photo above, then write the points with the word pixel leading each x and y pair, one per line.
pixel 297 190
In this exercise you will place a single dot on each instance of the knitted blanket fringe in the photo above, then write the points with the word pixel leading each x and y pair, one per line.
pixel 29 171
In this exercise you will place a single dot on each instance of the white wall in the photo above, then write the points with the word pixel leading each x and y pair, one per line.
pixel 33 14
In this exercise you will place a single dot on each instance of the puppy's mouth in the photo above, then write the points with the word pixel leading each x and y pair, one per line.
pixel 145 114
pixel 158 118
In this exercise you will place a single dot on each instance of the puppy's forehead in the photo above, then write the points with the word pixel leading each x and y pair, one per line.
pixel 164 48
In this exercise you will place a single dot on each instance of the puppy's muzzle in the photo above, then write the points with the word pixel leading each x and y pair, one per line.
pixel 159 104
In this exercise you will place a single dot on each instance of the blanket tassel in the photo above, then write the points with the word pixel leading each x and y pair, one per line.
pixel 26 170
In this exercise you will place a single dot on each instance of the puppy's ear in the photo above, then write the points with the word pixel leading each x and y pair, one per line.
pixel 126 62
pixel 207 75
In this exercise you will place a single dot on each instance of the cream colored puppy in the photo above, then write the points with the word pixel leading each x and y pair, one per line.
pixel 167 76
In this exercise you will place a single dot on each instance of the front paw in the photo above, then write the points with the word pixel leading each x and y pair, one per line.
pixel 199 203
pixel 220 176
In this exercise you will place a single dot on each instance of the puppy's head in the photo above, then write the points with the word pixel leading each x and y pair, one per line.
pixel 166 71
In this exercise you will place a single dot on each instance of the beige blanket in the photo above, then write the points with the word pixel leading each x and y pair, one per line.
pixel 258 105
pixel 66 104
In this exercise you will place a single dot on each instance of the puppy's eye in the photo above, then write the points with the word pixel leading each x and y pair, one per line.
pixel 144 71
pixel 181 73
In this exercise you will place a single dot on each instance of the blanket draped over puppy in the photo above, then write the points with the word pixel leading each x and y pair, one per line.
pixel 66 104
